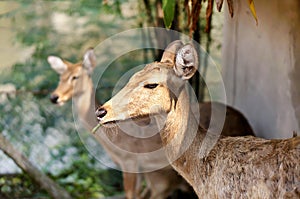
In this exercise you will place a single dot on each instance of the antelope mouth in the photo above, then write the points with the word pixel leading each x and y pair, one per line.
pixel 139 120
pixel 59 103
pixel 55 100
pixel 109 124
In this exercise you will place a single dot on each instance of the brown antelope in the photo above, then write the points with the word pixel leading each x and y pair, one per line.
pixel 235 167
pixel 75 82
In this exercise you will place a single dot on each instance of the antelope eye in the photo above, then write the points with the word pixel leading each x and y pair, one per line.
pixel 151 86
pixel 75 77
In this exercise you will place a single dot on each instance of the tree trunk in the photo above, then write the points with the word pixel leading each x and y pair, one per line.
pixel 46 183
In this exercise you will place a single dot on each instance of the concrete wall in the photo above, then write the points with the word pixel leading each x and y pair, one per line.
pixel 261 65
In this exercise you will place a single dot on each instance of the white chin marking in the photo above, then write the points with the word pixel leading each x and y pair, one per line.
pixel 60 103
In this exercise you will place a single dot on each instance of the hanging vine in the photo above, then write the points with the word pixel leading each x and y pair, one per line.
pixel 193 8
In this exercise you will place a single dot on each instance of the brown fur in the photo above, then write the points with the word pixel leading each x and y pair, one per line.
pixel 81 90
pixel 239 167
pixel 233 167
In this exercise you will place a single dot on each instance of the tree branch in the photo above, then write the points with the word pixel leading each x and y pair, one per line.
pixel 43 180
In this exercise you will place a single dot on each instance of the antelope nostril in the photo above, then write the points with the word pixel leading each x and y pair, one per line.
pixel 100 113
pixel 54 98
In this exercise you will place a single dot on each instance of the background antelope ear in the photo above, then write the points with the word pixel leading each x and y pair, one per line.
pixel 170 52
pixel 89 60
pixel 186 62
pixel 57 64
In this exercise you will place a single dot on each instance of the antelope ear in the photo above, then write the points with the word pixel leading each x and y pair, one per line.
pixel 57 64
pixel 170 52
pixel 186 62
pixel 89 60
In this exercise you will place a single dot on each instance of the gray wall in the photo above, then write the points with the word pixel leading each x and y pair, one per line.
pixel 261 65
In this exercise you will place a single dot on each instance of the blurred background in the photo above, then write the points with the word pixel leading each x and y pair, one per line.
pixel 259 55
pixel 45 134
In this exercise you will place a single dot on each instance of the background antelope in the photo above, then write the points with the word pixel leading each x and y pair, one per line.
pixel 235 167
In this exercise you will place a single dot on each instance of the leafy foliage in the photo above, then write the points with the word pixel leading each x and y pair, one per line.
pixel 19 186
pixel 83 180
pixel 192 9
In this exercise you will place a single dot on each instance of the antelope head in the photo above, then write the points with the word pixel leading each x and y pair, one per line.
pixel 153 90
pixel 74 78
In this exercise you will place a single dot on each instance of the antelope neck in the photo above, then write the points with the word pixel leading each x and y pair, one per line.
pixel 85 105
pixel 180 127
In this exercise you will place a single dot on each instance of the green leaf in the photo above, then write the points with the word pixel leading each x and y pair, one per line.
pixel 168 9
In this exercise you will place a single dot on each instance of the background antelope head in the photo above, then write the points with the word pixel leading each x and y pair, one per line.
pixel 74 78
pixel 155 89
